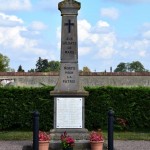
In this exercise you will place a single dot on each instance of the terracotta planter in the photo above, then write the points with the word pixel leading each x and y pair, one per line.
pixel 43 145
pixel 96 145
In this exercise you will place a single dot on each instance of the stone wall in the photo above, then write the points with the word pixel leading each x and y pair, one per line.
pixel 87 79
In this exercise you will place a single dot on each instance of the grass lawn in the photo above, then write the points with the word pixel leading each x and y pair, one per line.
pixel 15 135
pixel 131 136
pixel 23 135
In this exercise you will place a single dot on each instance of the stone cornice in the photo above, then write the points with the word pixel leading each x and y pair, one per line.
pixel 69 4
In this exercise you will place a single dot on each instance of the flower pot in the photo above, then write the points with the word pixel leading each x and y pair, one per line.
pixel 68 148
pixel 43 145
pixel 96 145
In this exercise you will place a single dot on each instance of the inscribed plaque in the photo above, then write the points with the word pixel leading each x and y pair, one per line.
pixel 69 113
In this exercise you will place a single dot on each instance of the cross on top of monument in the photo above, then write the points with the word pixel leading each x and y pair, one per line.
pixel 69 24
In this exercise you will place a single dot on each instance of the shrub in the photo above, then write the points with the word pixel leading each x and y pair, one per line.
pixel 131 106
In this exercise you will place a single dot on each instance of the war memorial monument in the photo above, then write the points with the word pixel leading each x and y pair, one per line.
pixel 69 97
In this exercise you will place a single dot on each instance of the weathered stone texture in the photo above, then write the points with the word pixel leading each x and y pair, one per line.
pixel 92 79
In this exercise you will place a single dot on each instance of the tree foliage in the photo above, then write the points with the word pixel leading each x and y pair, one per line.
pixel 135 66
pixel 54 65
pixel 43 65
pixel 121 67
pixel 4 63
pixel 20 69
pixel 86 69
pixel 31 70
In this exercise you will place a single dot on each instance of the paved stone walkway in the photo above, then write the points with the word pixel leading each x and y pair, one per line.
pixel 119 145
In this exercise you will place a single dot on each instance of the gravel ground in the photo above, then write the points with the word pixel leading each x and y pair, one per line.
pixel 119 145
pixel 13 145
pixel 132 145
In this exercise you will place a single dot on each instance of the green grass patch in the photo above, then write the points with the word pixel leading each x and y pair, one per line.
pixel 130 135
pixel 16 135
pixel 23 135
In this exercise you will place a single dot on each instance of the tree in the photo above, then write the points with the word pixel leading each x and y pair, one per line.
pixel 135 66
pixel 31 70
pixel 54 65
pixel 86 69
pixel 20 69
pixel 41 65
pixel 122 67
pixel 4 63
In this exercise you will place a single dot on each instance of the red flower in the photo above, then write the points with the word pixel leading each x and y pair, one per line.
pixel 43 136
pixel 96 136
pixel 66 140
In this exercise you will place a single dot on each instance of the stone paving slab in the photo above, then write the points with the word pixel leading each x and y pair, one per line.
pixel 118 144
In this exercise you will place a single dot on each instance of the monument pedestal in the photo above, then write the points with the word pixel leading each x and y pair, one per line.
pixel 69 117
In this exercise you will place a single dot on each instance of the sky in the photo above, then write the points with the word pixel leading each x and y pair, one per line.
pixel 109 32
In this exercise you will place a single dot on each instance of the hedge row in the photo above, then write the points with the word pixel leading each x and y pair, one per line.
pixel 17 106
pixel 131 106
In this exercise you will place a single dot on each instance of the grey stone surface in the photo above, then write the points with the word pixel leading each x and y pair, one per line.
pixel 69 74
pixel 118 144
pixel 69 43
pixel 69 78
pixel 119 81
pixel 68 82
pixel 80 134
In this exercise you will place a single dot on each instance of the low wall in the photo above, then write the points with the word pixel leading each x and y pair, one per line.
pixel 86 79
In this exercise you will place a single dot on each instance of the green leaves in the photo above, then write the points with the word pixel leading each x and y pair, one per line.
pixel 130 104
pixel 17 105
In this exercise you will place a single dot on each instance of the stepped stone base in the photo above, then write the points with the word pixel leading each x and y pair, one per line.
pixel 77 134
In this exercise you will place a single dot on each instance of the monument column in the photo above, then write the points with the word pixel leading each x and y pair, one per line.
pixel 68 94
pixel 69 73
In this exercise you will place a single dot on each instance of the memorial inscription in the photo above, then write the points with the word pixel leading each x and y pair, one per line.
pixel 69 48
pixel 69 112
pixel 69 77
pixel 67 45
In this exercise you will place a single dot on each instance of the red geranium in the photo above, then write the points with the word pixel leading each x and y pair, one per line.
pixel 66 140
pixel 96 136
pixel 43 136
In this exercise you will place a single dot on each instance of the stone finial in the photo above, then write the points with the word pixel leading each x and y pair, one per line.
pixel 69 3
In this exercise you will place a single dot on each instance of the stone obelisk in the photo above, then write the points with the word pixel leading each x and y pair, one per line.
pixel 68 93
pixel 68 83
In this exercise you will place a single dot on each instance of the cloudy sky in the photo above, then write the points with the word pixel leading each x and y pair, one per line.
pixel 110 32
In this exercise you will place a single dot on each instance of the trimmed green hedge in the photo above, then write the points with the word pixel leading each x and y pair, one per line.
pixel 18 104
pixel 132 105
